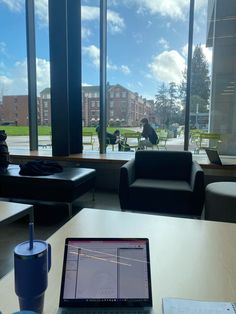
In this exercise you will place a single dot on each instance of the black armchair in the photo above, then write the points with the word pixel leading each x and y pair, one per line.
pixel 162 182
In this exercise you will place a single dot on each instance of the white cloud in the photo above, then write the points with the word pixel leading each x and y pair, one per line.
pixel 89 13
pixel 93 53
pixel 206 51
pixel 125 69
pixel 168 67
pixel 164 43
pixel 149 24
pixel 43 74
pixel 173 8
pixel 41 11
pixel 85 32
pixel 5 81
pixel 14 5
pixel 16 82
pixel 184 50
pixel 115 22
pixel 3 47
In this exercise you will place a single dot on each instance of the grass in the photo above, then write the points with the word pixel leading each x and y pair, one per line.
pixel 46 130
pixel 24 130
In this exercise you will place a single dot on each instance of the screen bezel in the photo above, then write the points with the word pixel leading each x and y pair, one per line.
pixel 101 303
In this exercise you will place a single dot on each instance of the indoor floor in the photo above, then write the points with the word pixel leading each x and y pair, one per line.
pixel 48 219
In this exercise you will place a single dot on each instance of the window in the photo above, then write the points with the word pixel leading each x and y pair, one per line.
pixel 219 50
pixel 13 70
pixel 90 64
pixel 148 80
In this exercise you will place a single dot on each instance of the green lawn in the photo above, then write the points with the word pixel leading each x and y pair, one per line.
pixel 24 130
pixel 46 130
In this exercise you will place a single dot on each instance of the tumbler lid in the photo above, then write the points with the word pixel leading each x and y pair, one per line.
pixel 25 312
pixel 23 249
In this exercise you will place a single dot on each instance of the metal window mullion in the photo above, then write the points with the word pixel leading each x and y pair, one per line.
pixel 32 78
pixel 103 76
pixel 189 72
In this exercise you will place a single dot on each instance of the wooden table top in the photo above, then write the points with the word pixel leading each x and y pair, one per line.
pixel 10 211
pixel 189 258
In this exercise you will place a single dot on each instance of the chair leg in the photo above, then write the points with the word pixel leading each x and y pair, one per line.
pixel 93 194
pixel 70 209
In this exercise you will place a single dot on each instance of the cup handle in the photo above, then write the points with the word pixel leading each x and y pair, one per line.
pixel 49 256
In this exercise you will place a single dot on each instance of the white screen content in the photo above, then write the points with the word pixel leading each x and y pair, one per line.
pixel 106 270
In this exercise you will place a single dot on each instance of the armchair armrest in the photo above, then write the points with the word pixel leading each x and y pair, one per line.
pixel 127 177
pixel 197 182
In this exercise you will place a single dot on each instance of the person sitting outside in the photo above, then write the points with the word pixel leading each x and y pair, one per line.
pixel 111 138
pixel 149 134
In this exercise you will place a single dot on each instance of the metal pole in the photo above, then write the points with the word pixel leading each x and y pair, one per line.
pixel 103 76
pixel 189 71
pixel 32 80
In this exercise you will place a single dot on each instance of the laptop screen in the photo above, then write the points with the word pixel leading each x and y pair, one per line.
pixel 106 272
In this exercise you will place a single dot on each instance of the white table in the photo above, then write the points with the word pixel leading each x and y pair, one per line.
pixel 10 211
pixel 189 258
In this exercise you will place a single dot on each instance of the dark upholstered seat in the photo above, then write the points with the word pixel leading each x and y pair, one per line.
pixel 64 186
pixel 162 182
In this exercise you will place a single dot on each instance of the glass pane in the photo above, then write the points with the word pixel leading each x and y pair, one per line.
pixel 221 36
pixel 43 74
pixel 13 74
pixel 90 72
pixel 146 62
pixel 201 83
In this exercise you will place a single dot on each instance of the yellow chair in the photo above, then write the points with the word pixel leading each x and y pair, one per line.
pixel 131 139
pixel 88 138
pixel 208 140
pixel 162 136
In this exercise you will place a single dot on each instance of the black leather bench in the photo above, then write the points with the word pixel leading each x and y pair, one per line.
pixel 64 186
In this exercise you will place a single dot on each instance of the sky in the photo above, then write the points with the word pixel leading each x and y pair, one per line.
pixel 147 43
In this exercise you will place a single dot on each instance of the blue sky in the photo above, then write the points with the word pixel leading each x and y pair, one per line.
pixel 147 43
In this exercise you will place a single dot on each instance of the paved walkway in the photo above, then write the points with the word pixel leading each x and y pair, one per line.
pixel 22 142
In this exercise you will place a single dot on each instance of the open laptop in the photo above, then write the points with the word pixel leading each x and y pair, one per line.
pixel 106 275
pixel 214 158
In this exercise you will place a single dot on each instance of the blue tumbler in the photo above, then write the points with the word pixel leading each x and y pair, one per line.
pixel 32 262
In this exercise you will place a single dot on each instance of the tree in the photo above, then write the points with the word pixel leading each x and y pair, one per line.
pixel 167 104
pixel 161 105
pixel 200 81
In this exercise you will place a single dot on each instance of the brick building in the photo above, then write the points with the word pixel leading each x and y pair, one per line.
pixel 124 108
pixel 44 107
pixel 14 110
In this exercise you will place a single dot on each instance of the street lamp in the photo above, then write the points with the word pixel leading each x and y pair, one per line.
pixel 196 122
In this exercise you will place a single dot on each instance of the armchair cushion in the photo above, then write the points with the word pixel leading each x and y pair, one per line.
pixel 163 165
